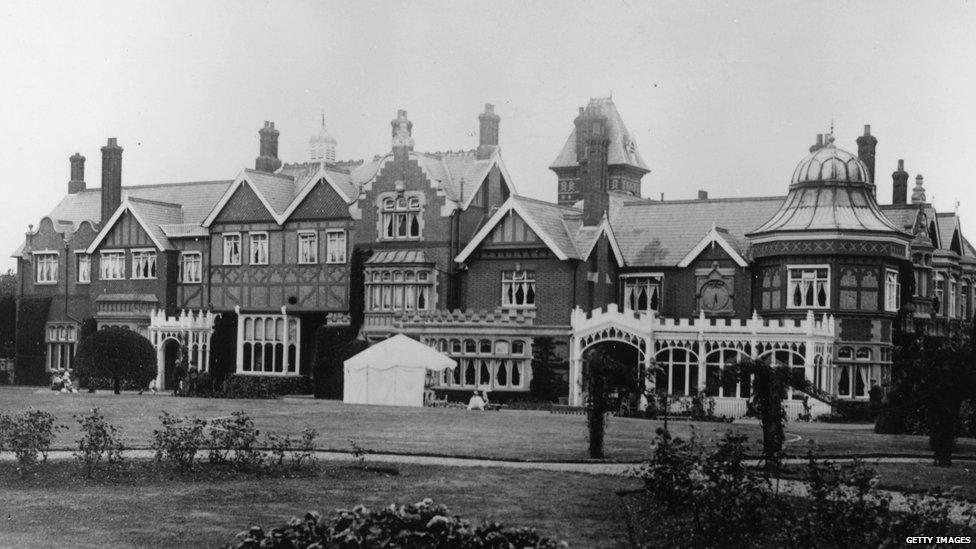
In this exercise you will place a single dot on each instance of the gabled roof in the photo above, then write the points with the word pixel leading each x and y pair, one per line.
pixel 559 227
pixel 458 173
pixel 715 236
pixel 948 226
pixel 149 214
pixel 281 193
pixel 661 234
pixel 623 148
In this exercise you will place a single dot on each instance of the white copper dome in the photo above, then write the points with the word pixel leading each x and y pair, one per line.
pixel 830 164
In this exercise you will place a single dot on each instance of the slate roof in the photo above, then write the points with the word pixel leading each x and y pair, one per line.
pixel 623 148
pixel 948 222
pixel 902 216
pixel 660 234
pixel 153 214
pixel 196 198
pixel 561 224
pixel 278 189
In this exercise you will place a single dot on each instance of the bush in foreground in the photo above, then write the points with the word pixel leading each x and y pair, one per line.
pixel 99 439
pixel 122 357
pixel 423 524
pixel 28 435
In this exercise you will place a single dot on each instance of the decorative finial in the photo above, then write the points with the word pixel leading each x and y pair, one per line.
pixel 323 119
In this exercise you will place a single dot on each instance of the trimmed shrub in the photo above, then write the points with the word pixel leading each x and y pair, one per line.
pixel 28 435
pixel 179 439
pixel 119 356
pixel 258 386
pixel 423 524
pixel 99 439
pixel 327 372
pixel 235 440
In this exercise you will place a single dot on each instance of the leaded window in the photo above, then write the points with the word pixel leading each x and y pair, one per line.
pixel 809 288
pixel 308 247
pixel 111 266
pixel 400 218
pixel 518 289
pixel 46 268
pixel 398 289
pixel 143 264
pixel 191 267
pixel 232 249
pixel 335 246
pixel 259 249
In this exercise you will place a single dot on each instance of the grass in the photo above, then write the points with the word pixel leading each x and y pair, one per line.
pixel 520 435
pixel 137 506
pixel 916 477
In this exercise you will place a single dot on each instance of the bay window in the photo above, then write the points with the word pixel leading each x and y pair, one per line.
pixel 892 291
pixel 269 344
pixel 394 290
pixel 518 288
pixel 809 287
pixel 485 364
pixel 60 339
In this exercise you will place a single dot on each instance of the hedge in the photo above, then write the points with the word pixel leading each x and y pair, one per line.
pixel 259 386
pixel 32 318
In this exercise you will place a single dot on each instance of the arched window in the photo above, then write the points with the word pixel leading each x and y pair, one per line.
pixel 516 374
pixel 501 375
pixel 469 346
pixel 484 347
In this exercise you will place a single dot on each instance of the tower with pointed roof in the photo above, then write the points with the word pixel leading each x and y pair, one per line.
pixel 625 167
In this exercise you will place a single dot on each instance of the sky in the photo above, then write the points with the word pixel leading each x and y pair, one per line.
pixel 724 97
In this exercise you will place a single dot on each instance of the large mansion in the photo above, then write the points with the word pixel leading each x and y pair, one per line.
pixel 457 258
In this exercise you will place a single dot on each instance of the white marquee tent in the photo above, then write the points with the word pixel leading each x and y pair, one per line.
pixel 392 372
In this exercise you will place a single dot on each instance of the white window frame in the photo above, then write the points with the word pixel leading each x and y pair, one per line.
pixel 79 256
pixel 198 261
pixel 399 289
pixel 511 280
pixel 311 241
pixel 816 288
pixel 940 292
pixel 649 282
pixel 226 240
pixel 328 246
pixel 250 248
pixel 60 339
pixel 256 332
pixel 892 291
pixel 118 257
pixel 148 255
pixel 51 275
pixel 403 209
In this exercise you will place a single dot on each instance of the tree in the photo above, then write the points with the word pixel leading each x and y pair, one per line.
pixel 547 385
pixel 118 355
pixel 770 387
pixel 604 373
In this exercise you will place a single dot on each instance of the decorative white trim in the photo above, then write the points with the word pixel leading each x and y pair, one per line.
pixel 642 275
pixel 124 207
pixel 713 236
pixel 509 205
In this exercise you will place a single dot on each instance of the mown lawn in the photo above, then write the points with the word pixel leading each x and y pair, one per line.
pixel 502 435
pixel 139 507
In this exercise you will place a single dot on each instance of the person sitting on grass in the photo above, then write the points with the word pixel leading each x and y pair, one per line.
pixel 476 402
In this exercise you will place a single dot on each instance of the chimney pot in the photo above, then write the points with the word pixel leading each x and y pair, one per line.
pixel 267 160
pixel 899 184
pixel 867 129
pixel 702 195
pixel 77 182
pixel 901 164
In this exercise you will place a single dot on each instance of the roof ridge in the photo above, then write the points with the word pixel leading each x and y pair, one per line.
pixel 545 202
pixel 156 202
pixel 649 201
pixel 278 175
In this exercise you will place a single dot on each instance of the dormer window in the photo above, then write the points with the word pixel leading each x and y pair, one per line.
pixel 401 218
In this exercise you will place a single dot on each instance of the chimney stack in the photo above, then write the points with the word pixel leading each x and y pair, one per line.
pixel 702 195
pixel 111 178
pixel 593 167
pixel 819 144
pixel 268 160
pixel 77 182
pixel 487 132
pixel 866 146
pixel 402 131
pixel 899 185
pixel 918 193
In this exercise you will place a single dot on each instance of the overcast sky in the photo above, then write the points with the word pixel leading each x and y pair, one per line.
pixel 724 97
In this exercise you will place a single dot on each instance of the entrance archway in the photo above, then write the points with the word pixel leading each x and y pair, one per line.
pixel 171 352
pixel 625 381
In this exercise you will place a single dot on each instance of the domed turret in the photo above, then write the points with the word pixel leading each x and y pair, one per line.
pixel 828 164
pixel 322 146
pixel 831 191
